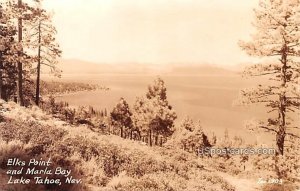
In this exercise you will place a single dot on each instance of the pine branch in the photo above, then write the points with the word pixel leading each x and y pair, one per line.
pixel 268 129
pixel 297 44
pixel 270 111
pixel 294 127
pixel 291 110
pixel 293 135
pixel 51 66
pixel 34 34
pixel 267 73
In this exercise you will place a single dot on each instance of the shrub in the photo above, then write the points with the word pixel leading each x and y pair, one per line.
pixel 278 187
pixel 16 149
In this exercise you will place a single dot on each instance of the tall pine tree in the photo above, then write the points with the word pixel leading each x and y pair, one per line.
pixel 277 37
pixel 8 46
pixel 43 42
pixel 153 115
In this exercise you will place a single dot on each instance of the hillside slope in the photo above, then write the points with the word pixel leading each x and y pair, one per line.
pixel 102 162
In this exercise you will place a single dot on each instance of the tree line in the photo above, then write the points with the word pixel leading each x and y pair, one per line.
pixel 27 42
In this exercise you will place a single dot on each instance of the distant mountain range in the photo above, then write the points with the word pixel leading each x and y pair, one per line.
pixel 73 66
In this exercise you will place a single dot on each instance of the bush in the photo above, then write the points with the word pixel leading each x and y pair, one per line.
pixel 278 187
pixel 16 149
pixel 41 138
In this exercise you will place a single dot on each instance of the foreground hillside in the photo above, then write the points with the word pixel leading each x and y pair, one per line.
pixel 102 162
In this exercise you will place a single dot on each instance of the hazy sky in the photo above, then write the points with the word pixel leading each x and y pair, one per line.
pixel 153 31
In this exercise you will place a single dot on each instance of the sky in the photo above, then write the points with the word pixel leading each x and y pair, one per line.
pixel 153 31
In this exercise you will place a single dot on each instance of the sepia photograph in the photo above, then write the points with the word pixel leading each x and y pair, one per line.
pixel 149 95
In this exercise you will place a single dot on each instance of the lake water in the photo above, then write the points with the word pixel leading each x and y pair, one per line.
pixel 206 98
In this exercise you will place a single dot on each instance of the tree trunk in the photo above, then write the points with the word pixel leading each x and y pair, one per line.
pixel 37 94
pixel 150 138
pixel 139 135
pixel 131 132
pixel 122 131
pixel 161 141
pixel 1 79
pixel 20 65
pixel 280 136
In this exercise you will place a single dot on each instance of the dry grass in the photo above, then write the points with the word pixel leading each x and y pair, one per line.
pixel 103 161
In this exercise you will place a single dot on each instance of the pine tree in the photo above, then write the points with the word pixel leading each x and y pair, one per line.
pixel 213 139
pixel 43 42
pixel 142 116
pixel 20 64
pixel 7 45
pixel 277 37
pixel 183 132
pixel 19 14
pixel 162 112
pixel 152 114
pixel 187 124
pixel 121 117
pixel 191 136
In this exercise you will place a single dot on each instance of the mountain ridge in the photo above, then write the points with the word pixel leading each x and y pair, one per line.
pixel 74 66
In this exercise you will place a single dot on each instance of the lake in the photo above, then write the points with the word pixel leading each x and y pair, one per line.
pixel 208 98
